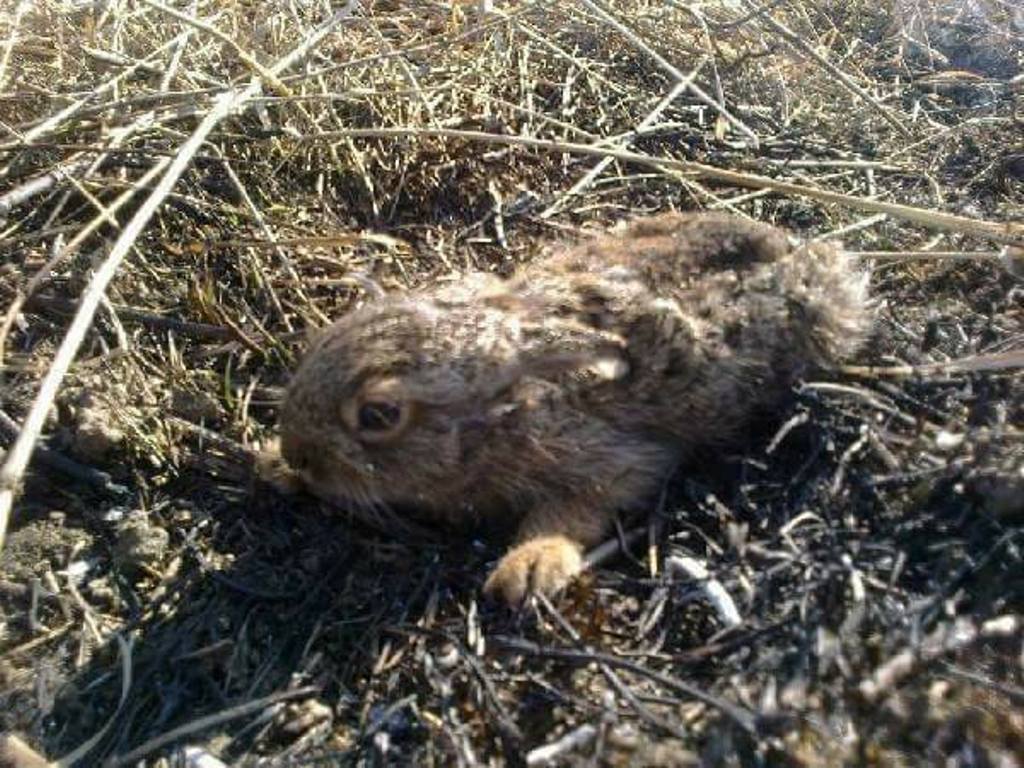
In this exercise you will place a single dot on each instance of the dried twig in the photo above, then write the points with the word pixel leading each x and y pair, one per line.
pixel 205 331
pixel 227 104
pixel 847 82
pixel 37 185
pixel 926 255
pixel 712 588
pixel 1006 232
pixel 1001 361
pixel 745 719
pixel 947 638
pixel 570 742
pixel 209 721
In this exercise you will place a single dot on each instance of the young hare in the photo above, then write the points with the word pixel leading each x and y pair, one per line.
pixel 571 391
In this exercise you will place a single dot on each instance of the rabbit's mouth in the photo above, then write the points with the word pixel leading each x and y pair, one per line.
pixel 349 490
pixel 341 483
pixel 332 478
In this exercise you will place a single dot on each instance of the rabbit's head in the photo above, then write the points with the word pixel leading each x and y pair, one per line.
pixel 368 415
pixel 396 401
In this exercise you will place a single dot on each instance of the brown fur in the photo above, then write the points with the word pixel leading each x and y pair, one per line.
pixel 570 391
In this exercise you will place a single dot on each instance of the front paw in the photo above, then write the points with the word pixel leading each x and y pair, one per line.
pixel 544 565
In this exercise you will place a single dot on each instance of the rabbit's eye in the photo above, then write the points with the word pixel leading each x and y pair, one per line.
pixel 379 416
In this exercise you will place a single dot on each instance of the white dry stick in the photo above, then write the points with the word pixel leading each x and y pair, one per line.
pixel 172 68
pixel 713 590
pixel 1010 258
pixel 12 37
pixel 19 454
pixel 575 739
pixel 857 589
pixel 997 361
pixel 926 255
pixel 671 69
pixel 52 122
pixel 197 757
pixel 1002 232
pixel 856 226
pixel 37 185
pixel 588 178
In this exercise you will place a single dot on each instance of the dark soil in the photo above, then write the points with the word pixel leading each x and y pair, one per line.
pixel 877 511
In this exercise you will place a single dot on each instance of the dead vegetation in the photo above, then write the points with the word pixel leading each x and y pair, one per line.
pixel 187 188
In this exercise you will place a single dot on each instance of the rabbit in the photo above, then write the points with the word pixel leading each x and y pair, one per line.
pixel 569 392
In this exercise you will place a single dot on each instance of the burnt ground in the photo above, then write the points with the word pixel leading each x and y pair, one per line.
pixel 156 597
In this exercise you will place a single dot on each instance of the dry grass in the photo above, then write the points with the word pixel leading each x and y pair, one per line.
pixel 216 178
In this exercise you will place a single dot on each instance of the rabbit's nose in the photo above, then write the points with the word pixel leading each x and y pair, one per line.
pixel 305 458
pixel 297 454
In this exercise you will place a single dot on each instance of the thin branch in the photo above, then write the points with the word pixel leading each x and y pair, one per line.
pixel 844 79
pixel 1001 361
pixel 947 638
pixel 671 69
pixel 59 253
pixel 741 716
pixel 712 588
pixel 573 740
pixel 927 255
pixel 209 721
pixel 37 185
pixel 1003 232
pixel 227 104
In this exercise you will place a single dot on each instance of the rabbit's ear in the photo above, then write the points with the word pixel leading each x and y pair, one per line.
pixel 599 365
pixel 577 348
pixel 603 365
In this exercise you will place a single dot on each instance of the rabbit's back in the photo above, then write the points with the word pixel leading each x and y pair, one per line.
pixel 718 317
